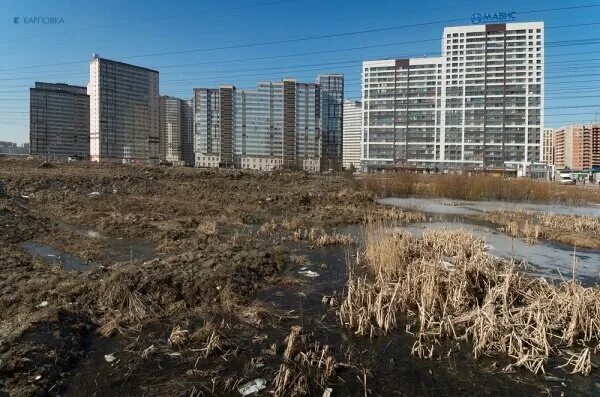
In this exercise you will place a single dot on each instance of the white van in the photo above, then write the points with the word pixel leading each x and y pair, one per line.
pixel 566 179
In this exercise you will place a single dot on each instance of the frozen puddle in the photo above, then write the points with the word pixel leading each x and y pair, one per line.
pixel 549 259
pixel 458 207
pixel 120 249
pixel 56 257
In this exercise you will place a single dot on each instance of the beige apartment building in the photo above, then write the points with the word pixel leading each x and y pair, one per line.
pixel 577 147
pixel 548 146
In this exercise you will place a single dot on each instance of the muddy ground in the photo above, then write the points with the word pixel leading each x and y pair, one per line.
pixel 187 284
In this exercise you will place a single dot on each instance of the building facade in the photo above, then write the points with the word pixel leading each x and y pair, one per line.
pixel 402 111
pixel 352 132
pixel 277 125
pixel 59 121
pixel 332 113
pixel 479 106
pixel 548 146
pixel 9 149
pixel 577 147
pixel 124 112
pixel 187 138
pixel 176 131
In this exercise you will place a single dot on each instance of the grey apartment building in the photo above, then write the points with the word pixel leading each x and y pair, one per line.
pixel 124 112
pixel 59 121
pixel 277 125
pixel 176 143
pixel 478 106
pixel 332 102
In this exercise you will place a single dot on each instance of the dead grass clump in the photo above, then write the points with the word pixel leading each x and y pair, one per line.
pixel 397 215
pixel 307 366
pixel 533 226
pixel 321 238
pixel 212 345
pixel 208 228
pixel 446 286
pixel 272 226
pixel 575 223
pixel 178 337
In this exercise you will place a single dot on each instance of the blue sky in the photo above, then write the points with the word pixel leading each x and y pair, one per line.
pixel 133 31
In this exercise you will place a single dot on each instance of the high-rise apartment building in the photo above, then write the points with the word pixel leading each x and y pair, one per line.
pixel 124 112
pixel 187 138
pixel 332 108
pixel 548 146
pixel 59 121
pixel 577 147
pixel 277 125
pixel 176 131
pixel 480 105
pixel 402 111
pixel 352 133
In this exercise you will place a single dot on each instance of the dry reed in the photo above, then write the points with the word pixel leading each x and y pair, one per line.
pixel 445 286
pixel 307 366
pixel 477 187
pixel 533 226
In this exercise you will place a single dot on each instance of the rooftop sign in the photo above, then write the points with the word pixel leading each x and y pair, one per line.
pixel 494 17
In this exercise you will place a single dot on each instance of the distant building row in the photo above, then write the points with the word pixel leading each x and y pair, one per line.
pixel 278 125
pixel 121 117
pixel 575 147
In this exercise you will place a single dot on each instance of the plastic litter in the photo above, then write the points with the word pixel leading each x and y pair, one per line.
pixel 43 304
pixel 327 392
pixel 109 358
pixel 308 273
pixel 252 387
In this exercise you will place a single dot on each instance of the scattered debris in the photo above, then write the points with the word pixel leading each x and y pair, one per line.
pixel 46 164
pixel 109 358
pixel 43 304
pixel 252 387
pixel 149 351
pixel 308 273
pixel 327 392
pixel 178 336
pixel 94 193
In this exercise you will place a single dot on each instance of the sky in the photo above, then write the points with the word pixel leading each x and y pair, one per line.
pixel 196 43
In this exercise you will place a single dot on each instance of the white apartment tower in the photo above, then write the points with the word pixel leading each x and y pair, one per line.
pixel 124 112
pixel 351 138
pixel 479 106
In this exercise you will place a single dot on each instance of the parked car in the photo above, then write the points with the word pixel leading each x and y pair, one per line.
pixel 566 179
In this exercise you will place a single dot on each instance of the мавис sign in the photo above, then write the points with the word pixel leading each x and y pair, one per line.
pixel 494 17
